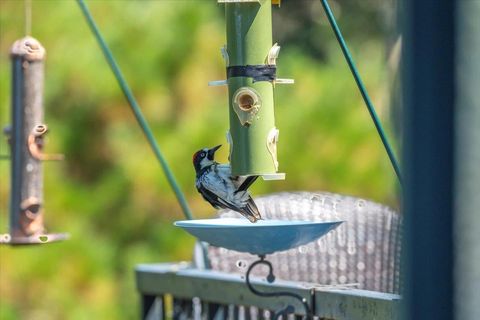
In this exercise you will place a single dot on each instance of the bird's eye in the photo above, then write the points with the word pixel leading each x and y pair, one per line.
pixel 202 154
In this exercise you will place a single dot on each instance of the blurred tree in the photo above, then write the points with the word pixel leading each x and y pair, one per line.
pixel 303 24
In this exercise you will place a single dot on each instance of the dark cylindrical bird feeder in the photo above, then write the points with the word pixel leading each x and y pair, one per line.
pixel 26 139
pixel 251 76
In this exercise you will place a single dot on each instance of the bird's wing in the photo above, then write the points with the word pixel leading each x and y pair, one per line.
pixel 225 171
pixel 220 191
pixel 240 202
pixel 215 187
pixel 215 200
pixel 217 183
pixel 246 183
pixel 241 183
pixel 210 197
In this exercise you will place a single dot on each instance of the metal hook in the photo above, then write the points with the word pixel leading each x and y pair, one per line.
pixel 7 131
pixel 35 144
pixel 270 279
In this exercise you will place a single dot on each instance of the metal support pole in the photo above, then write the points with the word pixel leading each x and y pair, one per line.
pixel 26 143
pixel 467 161
pixel 137 112
pixel 429 92
pixel 252 134
pixel 363 90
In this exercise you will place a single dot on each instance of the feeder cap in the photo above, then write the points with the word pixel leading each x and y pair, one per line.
pixel 29 48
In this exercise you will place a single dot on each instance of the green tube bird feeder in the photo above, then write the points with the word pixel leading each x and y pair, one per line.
pixel 251 77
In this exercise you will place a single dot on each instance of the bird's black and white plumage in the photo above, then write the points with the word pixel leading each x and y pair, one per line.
pixel 215 183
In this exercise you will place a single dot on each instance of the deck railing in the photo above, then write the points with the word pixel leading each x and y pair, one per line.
pixel 180 291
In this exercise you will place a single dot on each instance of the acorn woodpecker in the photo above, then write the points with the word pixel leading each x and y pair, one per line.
pixel 215 183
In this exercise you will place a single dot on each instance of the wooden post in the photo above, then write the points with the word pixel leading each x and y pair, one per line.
pixel 26 143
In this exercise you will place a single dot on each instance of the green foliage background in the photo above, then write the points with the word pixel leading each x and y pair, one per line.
pixel 110 193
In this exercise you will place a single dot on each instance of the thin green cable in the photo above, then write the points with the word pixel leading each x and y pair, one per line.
pixel 363 90
pixel 136 110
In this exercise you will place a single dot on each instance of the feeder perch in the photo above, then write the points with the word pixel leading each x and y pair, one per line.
pixel 26 140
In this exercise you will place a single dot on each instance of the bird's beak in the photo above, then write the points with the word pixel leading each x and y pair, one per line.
pixel 211 152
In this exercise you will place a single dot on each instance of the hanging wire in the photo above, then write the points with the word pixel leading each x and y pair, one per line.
pixel 28 17
pixel 136 109
pixel 363 90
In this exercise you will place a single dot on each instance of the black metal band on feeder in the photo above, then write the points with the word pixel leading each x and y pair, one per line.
pixel 25 137
pixel 257 72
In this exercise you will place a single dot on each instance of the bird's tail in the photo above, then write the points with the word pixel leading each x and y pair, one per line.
pixel 251 211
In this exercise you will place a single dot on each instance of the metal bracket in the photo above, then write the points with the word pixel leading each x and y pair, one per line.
pixel 225 56
pixel 289 309
pixel 35 143
pixel 7 131
pixel 230 144
pixel 272 140
pixel 276 2
pixel 273 176
pixel 272 60
pixel 273 54
pixel 35 239
pixel 215 83
pixel 237 1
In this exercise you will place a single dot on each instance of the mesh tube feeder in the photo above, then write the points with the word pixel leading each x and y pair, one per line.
pixel 251 77
pixel 26 140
